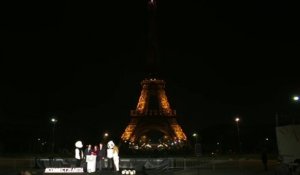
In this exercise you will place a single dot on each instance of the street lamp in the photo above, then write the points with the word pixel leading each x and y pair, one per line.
pixel 296 98
pixel 196 137
pixel 53 121
pixel 266 139
pixel 237 120
pixel 198 149
pixel 105 136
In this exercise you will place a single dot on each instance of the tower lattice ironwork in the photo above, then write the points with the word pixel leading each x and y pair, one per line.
pixel 153 114
pixel 153 123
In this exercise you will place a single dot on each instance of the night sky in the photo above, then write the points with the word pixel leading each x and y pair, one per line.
pixel 83 62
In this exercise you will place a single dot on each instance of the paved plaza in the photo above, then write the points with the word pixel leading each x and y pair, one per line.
pixel 218 167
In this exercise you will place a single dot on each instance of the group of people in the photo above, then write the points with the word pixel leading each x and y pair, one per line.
pixel 102 152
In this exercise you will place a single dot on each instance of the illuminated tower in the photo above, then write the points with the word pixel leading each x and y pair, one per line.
pixel 152 64
pixel 153 122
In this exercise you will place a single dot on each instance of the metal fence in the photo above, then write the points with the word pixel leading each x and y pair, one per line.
pixel 16 163
pixel 126 163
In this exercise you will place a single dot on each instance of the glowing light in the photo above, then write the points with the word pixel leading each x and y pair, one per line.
pixel 178 131
pixel 53 120
pixel 142 101
pixel 128 172
pixel 296 98
pixel 164 102
pixel 128 132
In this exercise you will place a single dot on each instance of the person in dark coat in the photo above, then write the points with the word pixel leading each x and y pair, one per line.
pixel 88 150
pixel 100 157
pixel 264 159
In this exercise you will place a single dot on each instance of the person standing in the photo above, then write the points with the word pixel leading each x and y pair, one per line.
pixel 116 157
pixel 110 155
pixel 101 156
pixel 95 153
pixel 264 159
pixel 78 153
pixel 88 150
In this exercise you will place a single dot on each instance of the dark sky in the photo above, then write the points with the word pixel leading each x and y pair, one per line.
pixel 83 61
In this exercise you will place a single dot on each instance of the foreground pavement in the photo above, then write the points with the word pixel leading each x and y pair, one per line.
pixel 169 172
pixel 218 167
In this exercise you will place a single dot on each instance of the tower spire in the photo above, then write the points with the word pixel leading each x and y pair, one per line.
pixel 152 63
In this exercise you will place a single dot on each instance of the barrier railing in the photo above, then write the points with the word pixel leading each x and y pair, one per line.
pixel 16 163
pixel 137 163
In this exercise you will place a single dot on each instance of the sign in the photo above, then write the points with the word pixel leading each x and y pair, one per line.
pixel 64 170
pixel 91 163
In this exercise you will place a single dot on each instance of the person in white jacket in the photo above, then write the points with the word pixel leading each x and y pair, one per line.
pixel 113 155
pixel 78 153
pixel 109 155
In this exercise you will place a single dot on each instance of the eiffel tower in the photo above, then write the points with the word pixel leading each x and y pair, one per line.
pixel 153 114
pixel 153 123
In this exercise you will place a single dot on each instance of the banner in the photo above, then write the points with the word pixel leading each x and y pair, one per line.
pixel 64 170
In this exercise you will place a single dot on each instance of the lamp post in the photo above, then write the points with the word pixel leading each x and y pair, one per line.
pixel 105 137
pixel 196 137
pixel 53 121
pixel 237 120
pixel 296 99
pixel 198 149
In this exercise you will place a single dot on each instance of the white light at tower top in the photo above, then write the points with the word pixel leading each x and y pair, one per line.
pixel 152 2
